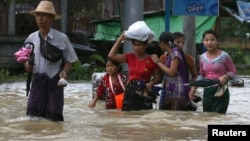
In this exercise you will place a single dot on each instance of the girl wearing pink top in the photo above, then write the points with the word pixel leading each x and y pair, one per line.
pixel 215 64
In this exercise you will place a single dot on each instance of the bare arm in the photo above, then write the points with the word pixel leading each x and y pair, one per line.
pixel 157 77
pixel 93 102
pixel 65 71
pixel 28 68
pixel 113 52
pixel 157 74
pixel 173 67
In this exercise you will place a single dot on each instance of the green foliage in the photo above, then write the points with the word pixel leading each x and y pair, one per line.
pixel 78 72
pixel 237 54
pixel 230 27
pixel 243 72
pixel 6 77
pixel 247 57
pixel 97 57
pixel 84 71
pixel 3 75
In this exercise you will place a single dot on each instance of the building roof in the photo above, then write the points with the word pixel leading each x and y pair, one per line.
pixel 110 29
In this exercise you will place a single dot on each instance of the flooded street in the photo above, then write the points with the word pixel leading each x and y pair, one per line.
pixel 84 124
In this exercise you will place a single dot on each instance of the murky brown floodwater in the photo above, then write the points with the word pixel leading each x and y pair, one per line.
pixel 84 124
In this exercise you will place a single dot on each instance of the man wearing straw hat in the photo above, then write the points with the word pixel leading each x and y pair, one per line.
pixel 53 59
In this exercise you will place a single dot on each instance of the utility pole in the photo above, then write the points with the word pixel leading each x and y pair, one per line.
pixel 167 14
pixel 12 18
pixel 189 29
pixel 64 12
pixel 132 12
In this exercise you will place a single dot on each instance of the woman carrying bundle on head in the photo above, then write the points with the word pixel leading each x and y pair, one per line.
pixel 143 72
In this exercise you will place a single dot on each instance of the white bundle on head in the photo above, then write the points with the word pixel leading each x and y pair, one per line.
pixel 139 31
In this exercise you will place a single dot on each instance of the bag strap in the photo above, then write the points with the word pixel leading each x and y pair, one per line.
pixel 45 46
pixel 111 84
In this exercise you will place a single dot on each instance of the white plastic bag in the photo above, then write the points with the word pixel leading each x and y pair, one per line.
pixel 62 82
pixel 139 31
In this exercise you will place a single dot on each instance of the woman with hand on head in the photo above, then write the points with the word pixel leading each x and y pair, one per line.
pixel 215 64
pixel 140 64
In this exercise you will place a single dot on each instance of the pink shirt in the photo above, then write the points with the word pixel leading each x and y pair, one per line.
pixel 213 68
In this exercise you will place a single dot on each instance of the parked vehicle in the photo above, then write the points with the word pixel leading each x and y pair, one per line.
pixel 84 49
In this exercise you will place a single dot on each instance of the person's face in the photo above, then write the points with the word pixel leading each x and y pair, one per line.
pixel 210 41
pixel 180 42
pixel 111 68
pixel 139 47
pixel 44 20
pixel 163 46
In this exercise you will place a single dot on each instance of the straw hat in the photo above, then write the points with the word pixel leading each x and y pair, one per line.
pixel 47 7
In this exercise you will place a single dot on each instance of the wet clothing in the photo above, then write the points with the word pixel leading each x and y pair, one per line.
pixel 46 98
pixel 215 104
pixel 213 68
pixel 138 70
pixel 191 68
pixel 104 90
pixel 163 59
pixel 176 94
pixel 133 101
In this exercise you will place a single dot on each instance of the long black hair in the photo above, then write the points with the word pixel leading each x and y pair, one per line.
pixel 166 37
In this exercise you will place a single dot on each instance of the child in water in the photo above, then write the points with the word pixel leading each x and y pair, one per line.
pixel 111 84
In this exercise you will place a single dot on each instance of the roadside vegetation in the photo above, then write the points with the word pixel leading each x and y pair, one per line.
pixel 79 71
pixel 240 56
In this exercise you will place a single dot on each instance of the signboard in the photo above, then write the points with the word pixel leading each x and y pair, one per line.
pixel 195 7
pixel 244 9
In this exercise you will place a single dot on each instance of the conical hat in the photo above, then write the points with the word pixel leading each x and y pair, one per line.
pixel 47 7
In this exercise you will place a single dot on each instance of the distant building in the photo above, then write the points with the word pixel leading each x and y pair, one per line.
pixel 78 15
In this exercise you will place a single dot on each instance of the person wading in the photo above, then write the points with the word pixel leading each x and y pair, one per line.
pixel 53 58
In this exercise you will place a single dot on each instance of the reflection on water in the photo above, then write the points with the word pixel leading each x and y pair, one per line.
pixel 82 123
